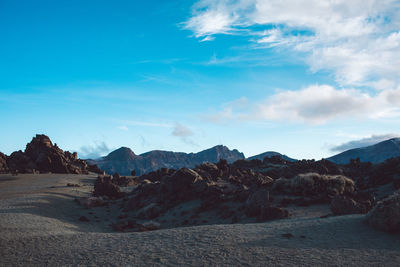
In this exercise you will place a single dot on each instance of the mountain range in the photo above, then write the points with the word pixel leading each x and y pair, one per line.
pixel 41 155
pixel 124 160
pixel 375 153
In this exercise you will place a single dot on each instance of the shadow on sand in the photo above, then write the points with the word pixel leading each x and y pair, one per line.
pixel 63 207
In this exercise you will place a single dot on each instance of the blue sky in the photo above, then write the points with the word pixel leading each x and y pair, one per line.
pixel 302 78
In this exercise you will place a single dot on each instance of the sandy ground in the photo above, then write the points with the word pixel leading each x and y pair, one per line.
pixel 39 226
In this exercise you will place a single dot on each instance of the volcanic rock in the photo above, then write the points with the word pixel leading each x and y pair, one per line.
pixel 179 185
pixel 256 202
pixel 208 171
pixel 3 163
pixel 385 216
pixel 41 155
pixel 103 186
pixel 271 213
pixel 342 205
pixel 124 181
pixel 151 211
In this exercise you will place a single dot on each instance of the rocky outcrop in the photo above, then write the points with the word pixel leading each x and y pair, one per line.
pixel 385 216
pixel 3 163
pixel 42 156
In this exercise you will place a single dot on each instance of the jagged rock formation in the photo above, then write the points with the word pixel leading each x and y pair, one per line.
pixel 124 160
pixel 375 154
pixel 42 156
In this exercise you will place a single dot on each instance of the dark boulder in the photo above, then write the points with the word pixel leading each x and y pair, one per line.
pixel 103 186
pixel 124 181
pixel 385 216
pixel 256 202
pixel 342 205
pixel 208 171
pixel 178 186
pixel 19 162
pixel 94 168
pixel 272 213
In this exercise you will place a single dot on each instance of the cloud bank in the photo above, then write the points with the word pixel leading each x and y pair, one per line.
pixel 367 141
pixel 316 104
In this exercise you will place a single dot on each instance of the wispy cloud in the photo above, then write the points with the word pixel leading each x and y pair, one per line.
pixel 230 111
pixel 358 41
pixel 184 133
pixel 94 151
pixel 181 131
pixel 366 141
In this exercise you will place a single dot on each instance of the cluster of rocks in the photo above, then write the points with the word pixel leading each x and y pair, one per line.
pixel 248 191
pixel 229 193
pixel 109 186
pixel 42 156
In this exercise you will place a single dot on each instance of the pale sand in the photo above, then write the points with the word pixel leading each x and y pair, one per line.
pixel 39 226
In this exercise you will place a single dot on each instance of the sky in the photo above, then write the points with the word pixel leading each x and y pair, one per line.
pixel 306 78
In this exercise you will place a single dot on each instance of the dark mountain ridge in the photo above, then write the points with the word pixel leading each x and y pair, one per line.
pixel 271 154
pixel 375 153
pixel 124 160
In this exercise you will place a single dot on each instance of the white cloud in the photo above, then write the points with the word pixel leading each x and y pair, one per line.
pixel 357 40
pixel 366 141
pixel 315 104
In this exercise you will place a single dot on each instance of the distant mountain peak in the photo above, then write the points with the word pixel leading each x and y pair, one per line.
pixel 270 154
pixel 122 153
